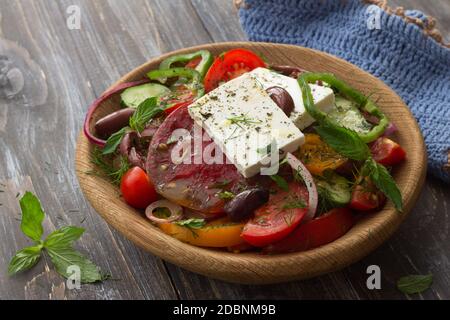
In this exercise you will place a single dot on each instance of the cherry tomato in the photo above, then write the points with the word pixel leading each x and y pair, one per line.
pixel 315 233
pixel 220 233
pixel 366 197
pixel 387 152
pixel 181 96
pixel 277 218
pixel 137 189
pixel 230 65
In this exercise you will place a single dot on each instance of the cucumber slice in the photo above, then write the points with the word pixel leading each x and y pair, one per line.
pixel 347 114
pixel 334 190
pixel 134 96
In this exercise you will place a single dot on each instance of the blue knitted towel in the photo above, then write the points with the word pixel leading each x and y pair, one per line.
pixel 384 44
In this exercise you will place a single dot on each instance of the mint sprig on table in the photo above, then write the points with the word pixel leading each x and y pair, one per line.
pixel 58 245
pixel 415 283
pixel 146 111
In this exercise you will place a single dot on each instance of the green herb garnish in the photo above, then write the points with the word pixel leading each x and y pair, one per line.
pixel 146 111
pixel 58 245
pixel 296 204
pixel 243 119
pixel 344 141
pixel 192 224
pixel 220 184
pixel 113 141
pixel 114 173
pixel 280 181
pixel 383 181
pixel 226 195
pixel 415 283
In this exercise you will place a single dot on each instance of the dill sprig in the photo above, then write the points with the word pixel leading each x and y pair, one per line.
pixel 105 165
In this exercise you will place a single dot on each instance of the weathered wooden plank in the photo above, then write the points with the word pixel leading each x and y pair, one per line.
pixel 39 141
pixel 219 17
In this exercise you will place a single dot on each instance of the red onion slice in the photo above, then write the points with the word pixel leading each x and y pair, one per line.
pixel 313 200
pixel 176 211
pixel 87 122
pixel 390 130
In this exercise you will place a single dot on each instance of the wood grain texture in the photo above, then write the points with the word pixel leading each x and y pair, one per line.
pixel 38 142
pixel 252 268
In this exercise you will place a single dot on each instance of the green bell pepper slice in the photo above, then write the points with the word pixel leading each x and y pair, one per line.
pixel 363 102
pixel 202 67
pixel 194 76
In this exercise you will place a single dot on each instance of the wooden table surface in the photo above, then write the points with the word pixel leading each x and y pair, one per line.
pixel 65 70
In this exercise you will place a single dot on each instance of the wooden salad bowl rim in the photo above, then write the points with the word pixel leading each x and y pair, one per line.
pixel 253 268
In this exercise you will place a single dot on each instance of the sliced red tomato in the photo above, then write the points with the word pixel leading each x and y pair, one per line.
pixel 192 183
pixel 387 152
pixel 137 190
pixel 279 217
pixel 230 65
pixel 367 197
pixel 181 96
pixel 315 233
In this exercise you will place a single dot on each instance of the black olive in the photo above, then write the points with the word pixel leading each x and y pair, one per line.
pixel 289 71
pixel 127 148
pixel 245 203
pixel 113 122
pixel 282 98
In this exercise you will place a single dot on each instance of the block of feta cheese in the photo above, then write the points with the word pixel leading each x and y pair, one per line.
pixel 323 96
pixel 244 122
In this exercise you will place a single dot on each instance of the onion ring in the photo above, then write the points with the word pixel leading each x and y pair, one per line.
pixel 313 200
pixel 176 211
pixel 93 107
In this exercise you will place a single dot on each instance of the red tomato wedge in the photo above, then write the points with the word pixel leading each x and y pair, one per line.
pixel 192 185
pixel 279 217
pixel 137 189
pixel 230 65
pixel 387 152
pixel 315 233
pixel 182 96
pixel 366 197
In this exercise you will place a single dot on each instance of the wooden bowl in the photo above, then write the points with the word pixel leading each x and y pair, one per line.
pixel 253 268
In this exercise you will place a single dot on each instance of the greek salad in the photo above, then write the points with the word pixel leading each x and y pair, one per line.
pixel 234 153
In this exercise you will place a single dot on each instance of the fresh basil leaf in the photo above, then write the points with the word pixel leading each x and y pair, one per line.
pixel 344 141
pixel 64 257
pixel 415 283
pixel 113 141
pixel 63 237
pixel 384 182
pixel 192 223
pixel 32 216
pixel 24 259
pixel 281 182
pixel 147 110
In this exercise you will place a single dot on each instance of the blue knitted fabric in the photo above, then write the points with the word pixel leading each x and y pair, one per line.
pixel 399 53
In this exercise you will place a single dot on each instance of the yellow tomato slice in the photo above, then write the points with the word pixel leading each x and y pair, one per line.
pixel 319 156
pixel 218 234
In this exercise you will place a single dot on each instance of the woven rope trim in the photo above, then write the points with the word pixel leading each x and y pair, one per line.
pixel 428 27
